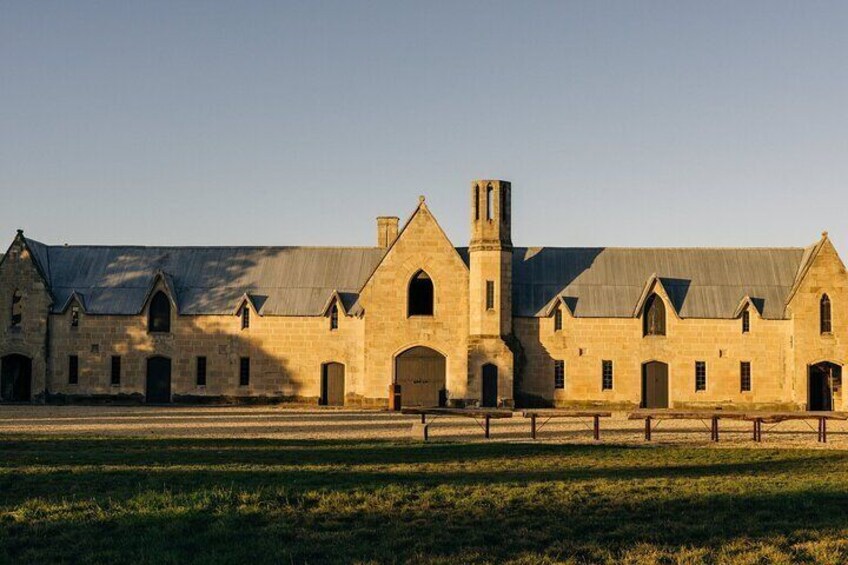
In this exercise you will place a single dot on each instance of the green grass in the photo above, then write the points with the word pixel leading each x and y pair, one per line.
pixel 263 501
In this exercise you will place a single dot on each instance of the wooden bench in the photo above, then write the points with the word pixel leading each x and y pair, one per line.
pixel 549 413
pixel 758 418
pixel 485 414
pixel 664 414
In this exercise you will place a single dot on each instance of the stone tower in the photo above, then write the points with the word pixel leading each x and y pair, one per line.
pixel 490 291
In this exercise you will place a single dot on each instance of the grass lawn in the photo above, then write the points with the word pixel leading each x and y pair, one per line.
pixel 265 501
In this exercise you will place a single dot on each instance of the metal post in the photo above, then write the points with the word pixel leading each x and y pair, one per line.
pixel 423 419
pixel 533 426
pixel 487 426
pixel 647 428
pixel 715 428
pixel 597 428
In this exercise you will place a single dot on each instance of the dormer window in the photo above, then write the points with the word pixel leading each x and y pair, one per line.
pixel 17 308
pixel 746 321
pixel 75 312
pixel 245 317
pixel 654 317
pixel 159 314
pixel 420 300
pixel 558 319
pixel 826 325
pixel 334 317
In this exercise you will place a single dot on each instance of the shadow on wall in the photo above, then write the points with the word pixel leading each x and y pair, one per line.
pixel 220 340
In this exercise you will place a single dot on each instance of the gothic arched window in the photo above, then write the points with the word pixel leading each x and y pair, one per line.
pixel 17 308
pixel 420 301
pixel 159 314
pixel 654 318
pixel 825 313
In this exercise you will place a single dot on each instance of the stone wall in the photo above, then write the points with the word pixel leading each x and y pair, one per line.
pixel 18 272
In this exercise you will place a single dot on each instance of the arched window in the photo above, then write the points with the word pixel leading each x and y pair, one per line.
pixel 476 202
pixel 654 318
pixel 334 317
pixel 159 315
pixel 490 203
pixel 17 308
pixel 824 310
pixel 420 302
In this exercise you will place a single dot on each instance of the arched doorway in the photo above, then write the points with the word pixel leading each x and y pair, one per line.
pixel 16 378
pixel 489 396
pixel 158 389
pixel 654 385
pixel 420 372
pixel 825 384
pixel 332 384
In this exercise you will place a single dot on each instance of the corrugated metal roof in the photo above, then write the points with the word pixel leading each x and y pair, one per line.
pixel 298 281
pixel 282 281
pixel 607 282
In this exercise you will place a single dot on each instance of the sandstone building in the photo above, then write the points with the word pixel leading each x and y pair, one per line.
pixel 489 324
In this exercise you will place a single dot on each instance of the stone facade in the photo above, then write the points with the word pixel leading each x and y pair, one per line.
pixel 472 325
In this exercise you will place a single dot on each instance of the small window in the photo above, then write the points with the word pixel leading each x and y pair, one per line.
pixel 116 370
pixel 490 203
pixel 476 202
pixel 201 371
pixel 334 317
pixel 745 376
pixel 17 308
pixel 606 375
pixel 244 371
pixel 559 374
pixel 654 318
pixel 825 311
pixel 159 315
pixel 73 370
pixel 420 302
pixel 490 295
pixel 700 376
pixel 245 317
pixel 746 321
pixel 558 319
pixel 75 316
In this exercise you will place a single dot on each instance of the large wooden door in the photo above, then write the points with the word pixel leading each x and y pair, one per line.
pixel 490 386
pixel 825 381
pixel 654 385
pixel 420 372
pixel 16 378
pixel 158 389
pixel 332 384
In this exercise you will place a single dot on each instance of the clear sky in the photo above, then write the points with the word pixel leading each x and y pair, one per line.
pixel 271 123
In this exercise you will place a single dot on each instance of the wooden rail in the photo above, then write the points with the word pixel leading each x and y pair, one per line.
pixel 549 413
pixel 714 416
pixel 486 414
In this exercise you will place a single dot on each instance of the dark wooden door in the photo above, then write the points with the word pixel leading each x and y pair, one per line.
pixel 655 385
pixel 490 386
pixel 821 387
pixel 16 378
pixel 332 384
pixel 158 380
pixel 420 372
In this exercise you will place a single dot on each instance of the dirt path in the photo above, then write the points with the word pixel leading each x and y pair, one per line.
pixel 314 423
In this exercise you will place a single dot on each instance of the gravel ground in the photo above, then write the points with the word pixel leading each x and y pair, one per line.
pixel 313 423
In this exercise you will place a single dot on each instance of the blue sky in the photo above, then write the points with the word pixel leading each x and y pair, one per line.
pixel 271 123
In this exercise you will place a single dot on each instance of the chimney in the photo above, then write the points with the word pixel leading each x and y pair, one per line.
pixel 387 231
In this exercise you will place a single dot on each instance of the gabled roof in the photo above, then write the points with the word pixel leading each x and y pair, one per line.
pixel 608 282
pixel 290 281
